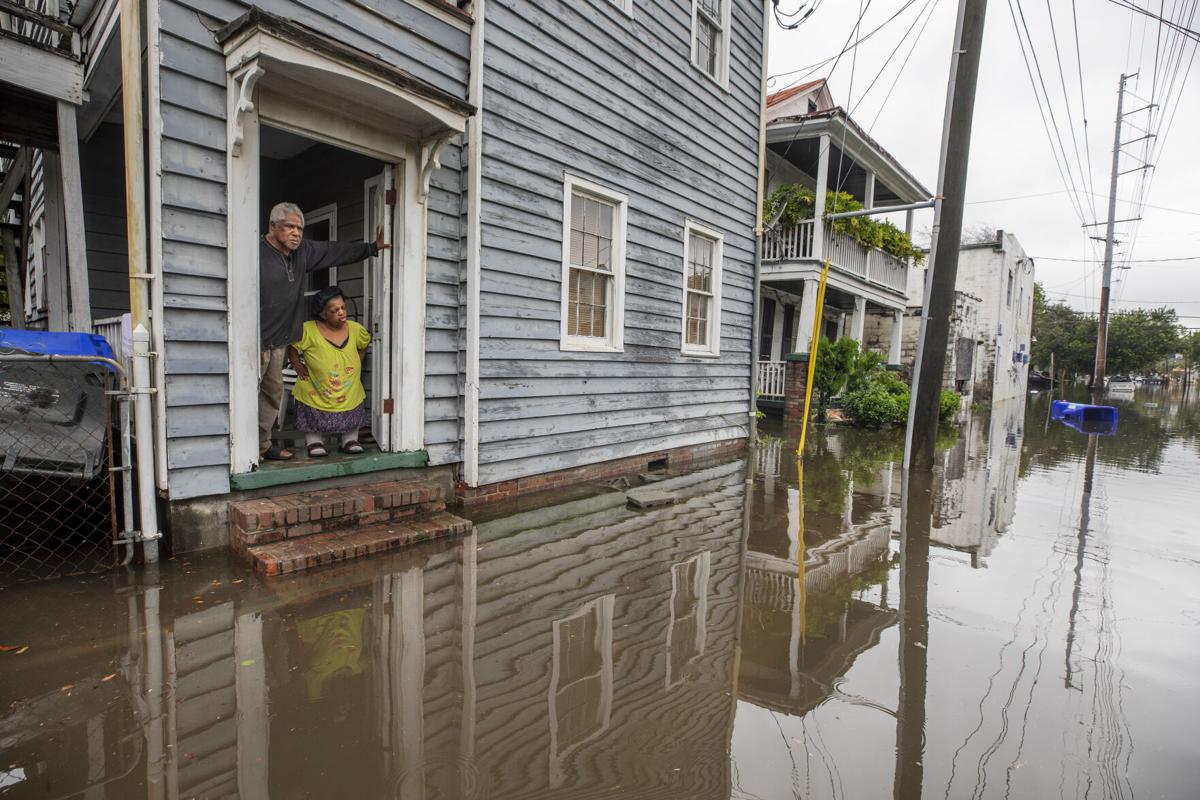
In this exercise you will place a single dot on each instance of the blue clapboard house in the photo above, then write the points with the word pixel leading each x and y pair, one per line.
pixel 570 191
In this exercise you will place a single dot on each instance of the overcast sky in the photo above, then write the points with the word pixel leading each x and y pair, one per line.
pixel 1011 155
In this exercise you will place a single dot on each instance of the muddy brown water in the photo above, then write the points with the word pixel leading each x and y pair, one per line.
pixel 1025 623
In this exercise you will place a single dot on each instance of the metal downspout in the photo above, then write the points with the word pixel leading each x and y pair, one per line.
pixel 759 233
pixel 135 231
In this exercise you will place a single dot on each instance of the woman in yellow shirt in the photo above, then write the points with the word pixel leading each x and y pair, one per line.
pixel 329 393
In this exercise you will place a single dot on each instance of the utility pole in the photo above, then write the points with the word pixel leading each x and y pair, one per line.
pixel 1100 369
pixel 1106 281
pixel 921 433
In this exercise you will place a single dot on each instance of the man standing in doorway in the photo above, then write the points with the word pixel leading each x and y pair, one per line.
pixel 284 258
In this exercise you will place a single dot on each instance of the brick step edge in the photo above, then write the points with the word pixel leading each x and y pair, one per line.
pixel 294 555
pixel 270 519
pixel 346 523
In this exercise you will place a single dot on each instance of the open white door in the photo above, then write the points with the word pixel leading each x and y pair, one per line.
pixel 378 308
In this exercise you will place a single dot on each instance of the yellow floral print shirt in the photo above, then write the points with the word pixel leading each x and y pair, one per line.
pixel 334 374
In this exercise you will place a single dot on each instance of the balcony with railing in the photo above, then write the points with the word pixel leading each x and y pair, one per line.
pixel 797 243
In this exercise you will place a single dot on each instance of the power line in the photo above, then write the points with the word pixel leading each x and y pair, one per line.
pixel 1189 33
pixel 1131 261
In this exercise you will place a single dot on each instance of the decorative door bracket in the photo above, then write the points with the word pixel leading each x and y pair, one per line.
pixel 243 80
pixel 431 151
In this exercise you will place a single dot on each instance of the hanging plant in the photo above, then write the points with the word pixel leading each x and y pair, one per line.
pixel 794 203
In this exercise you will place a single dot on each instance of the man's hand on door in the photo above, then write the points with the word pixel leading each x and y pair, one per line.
pixel 379 243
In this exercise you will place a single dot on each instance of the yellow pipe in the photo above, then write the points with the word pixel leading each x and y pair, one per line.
pixel 814 346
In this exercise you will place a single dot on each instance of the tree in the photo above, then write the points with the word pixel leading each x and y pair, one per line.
pixel 1069 335
pixel 835 361
pixel 1138 341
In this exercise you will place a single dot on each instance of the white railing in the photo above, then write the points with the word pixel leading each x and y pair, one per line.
pixel 795 243
pixel 789 243
pixel 111 329
pixel 771 379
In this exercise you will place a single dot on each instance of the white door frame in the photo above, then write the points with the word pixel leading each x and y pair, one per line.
pixel 248 109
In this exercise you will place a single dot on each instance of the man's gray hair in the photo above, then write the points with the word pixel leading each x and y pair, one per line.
pixel 281 210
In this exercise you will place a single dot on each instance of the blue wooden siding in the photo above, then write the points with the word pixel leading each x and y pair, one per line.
pixel 193 97
pixel 582 89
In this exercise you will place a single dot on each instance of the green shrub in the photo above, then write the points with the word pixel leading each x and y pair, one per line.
pixel 834 364
pixel 881 399
pixel 948 405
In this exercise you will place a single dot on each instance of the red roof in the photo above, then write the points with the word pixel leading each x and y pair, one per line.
pixel 788 94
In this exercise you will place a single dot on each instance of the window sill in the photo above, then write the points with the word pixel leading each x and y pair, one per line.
pixel 699 354
pixel 590 347
pixel 723 85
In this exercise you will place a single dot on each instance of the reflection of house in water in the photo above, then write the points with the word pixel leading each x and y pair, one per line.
pixel 582 644
pixel 801 573
pixel 976 497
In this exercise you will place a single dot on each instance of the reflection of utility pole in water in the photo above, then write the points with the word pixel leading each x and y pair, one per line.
pixel 1089 469
pixel 800 596
pixel 916 514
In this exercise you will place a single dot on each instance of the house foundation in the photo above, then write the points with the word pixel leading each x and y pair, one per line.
pixel 679 458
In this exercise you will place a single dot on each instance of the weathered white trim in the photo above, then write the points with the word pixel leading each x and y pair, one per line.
pixel 256 46
pixel 624 5
pixel 614 341
pixel 80 317
pixel 154 220
pixel 242 293
pixel 41 71
pixel 474 189
pixel 322 125
pixel 409 301
pixel 722 76
pixel 714 319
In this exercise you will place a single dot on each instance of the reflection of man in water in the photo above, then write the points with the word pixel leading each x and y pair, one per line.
pixel 284 258
pixel 334 649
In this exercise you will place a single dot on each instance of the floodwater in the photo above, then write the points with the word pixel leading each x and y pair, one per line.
pixel 1024 624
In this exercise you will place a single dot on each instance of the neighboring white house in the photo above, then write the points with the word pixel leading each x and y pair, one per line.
pixel 994 306
pixel 1001 275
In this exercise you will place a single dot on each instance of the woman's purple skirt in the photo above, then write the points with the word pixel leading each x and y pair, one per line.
pixel 313 420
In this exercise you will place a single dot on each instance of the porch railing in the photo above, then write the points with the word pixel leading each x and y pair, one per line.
pixel 770 379
pixel 795 243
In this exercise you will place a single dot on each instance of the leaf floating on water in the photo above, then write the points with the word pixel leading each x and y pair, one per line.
pixel 22 650
pixel 67 688
pixel 239 580
pixel 249 662
pixel 8 648
pixel 108 677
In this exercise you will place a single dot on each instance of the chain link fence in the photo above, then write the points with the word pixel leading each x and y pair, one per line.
pixel 65 490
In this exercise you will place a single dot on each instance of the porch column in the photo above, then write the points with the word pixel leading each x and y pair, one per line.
pixel 858 319
pixel 818 248
pixel 869 191
pixel 897 336
pixel 808 316
pixel 80 318
pixel 777 333
pixel 908 223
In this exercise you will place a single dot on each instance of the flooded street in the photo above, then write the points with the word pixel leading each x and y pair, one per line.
pixel 1026 626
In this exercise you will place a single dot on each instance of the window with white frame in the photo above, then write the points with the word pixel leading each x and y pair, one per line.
pixel 701 290
pixel 710 38
pixel 593 274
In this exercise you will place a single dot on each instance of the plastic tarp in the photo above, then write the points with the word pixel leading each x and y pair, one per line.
pixel 53 418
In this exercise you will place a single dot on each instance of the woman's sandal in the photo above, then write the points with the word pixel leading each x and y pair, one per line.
pixel 317 450
pixel 352 447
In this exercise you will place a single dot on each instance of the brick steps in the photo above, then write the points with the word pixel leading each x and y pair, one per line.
pixel 293 532
pixel 294 555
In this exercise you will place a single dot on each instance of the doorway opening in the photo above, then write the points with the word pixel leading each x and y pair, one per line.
pixel 342 195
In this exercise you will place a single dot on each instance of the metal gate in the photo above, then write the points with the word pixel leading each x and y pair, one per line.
pixel 66 493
